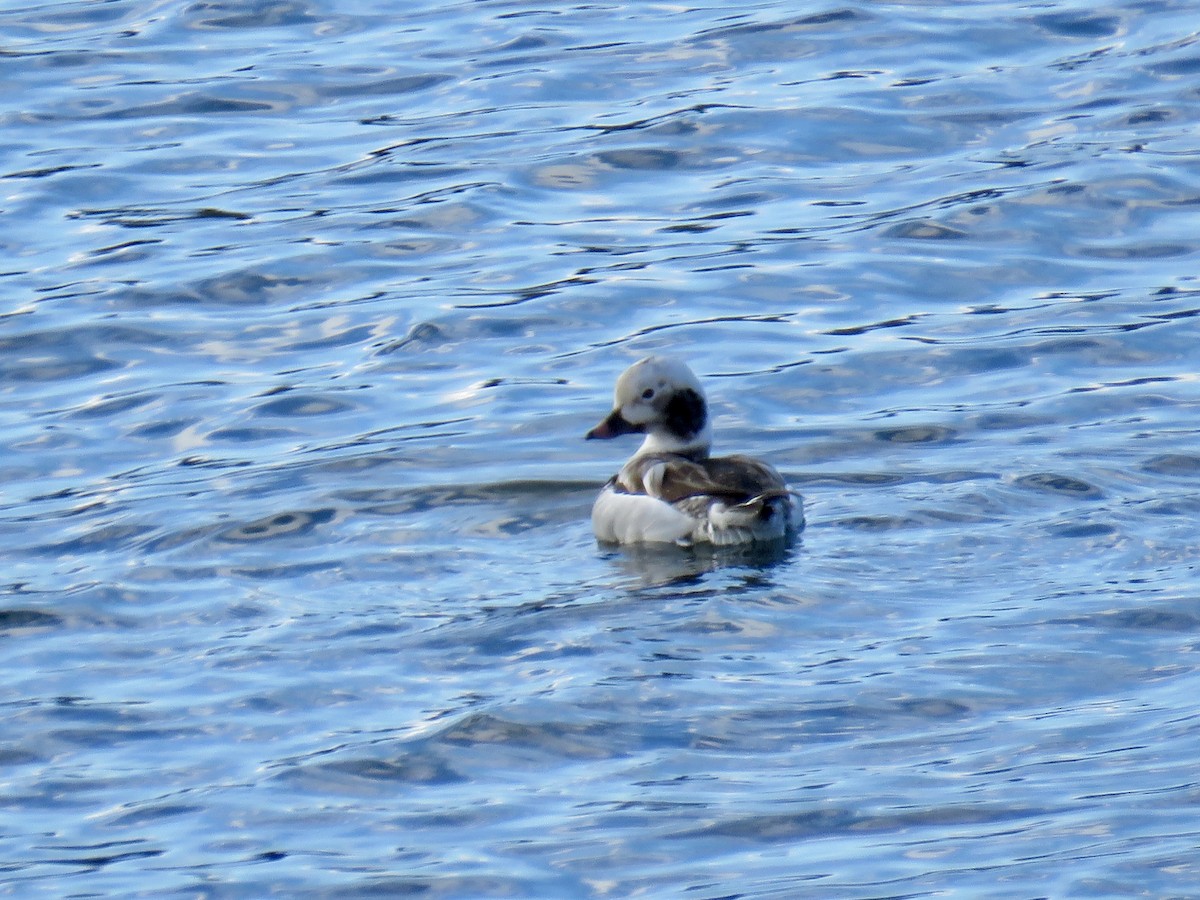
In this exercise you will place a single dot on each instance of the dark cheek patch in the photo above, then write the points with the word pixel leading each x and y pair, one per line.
pixel 686 413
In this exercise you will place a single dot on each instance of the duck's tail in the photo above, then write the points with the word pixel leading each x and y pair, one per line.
pixel 768 516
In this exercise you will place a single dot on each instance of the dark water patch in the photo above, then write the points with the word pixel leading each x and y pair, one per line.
pixel 1176 68
pixel 780 826
pixel 524 43
pixel 161 543
pixel 494 885
pixel 126 251
pixel 244 289
pixel 357 334
pixel 875 326
pixel 1174 465
pixel 383 172
pixel 981 359
pixel 85 713
pixel 293 405
pixel 503 382
pixel 1134 251
pixel 269 574
pixel 865 479
pixel 700 226
pixel 145 217
pixel 48 171
pixel 251 435
pixel 1132 382
pixel 1064 485
pixel 1078 24
pixel 538 739
pixel 933 708
pixel 249 14
pixel 648 159
pixel 164 429
pixel 1082 529
pixel 1146 117
pixel 94 856
pixel 383 83
pixel 788 827
pixel 1186 507
pixel 924 230
pixel 420 336
pixel 1177 314
pixel 192 104
pixel 287 524
pixel 18 619
pixel 16 756
pixel 153 813
pixel 916 434
pixel 402 500
pixel 814 21
pixel 112 406
pixel 109 537
pixel 875 523
pixel 64 18
pixel 410 768
pixel 1172 621
pixel 66 367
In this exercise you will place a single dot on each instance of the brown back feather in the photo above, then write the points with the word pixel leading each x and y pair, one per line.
pixel 733 478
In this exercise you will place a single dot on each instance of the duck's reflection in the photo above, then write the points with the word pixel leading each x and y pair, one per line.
pixel 664 564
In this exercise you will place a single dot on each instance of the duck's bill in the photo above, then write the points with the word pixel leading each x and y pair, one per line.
pixel 614 426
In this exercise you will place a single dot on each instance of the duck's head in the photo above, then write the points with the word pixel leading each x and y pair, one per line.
pixel 661 398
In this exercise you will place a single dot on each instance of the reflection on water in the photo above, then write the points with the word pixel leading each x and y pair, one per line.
pixel 671 565
pixel 306 306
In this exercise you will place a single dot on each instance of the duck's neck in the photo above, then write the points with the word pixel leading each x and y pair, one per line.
pixel 694 446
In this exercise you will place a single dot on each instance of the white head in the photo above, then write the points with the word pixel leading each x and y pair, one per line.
pixel 660 398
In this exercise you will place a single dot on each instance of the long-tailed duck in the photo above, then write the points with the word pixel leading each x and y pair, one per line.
pixel 671 490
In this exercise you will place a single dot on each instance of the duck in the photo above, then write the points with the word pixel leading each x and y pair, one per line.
pixel 672 490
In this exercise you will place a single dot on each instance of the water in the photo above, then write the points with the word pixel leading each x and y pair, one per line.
pixel 307 306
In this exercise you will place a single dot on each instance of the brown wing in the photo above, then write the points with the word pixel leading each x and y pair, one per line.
pixel 745 475
pixel 734 478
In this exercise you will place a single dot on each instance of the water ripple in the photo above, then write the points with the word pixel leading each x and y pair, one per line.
pixel 308 307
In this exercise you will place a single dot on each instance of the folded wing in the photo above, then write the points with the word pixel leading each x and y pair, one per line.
pixel 734 479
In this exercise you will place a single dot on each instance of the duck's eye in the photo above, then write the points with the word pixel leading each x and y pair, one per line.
pixel 648 394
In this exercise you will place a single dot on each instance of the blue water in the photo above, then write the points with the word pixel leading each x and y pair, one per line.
pixel 306 306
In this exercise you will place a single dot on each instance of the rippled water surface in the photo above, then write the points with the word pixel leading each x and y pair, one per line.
pixel 307 304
